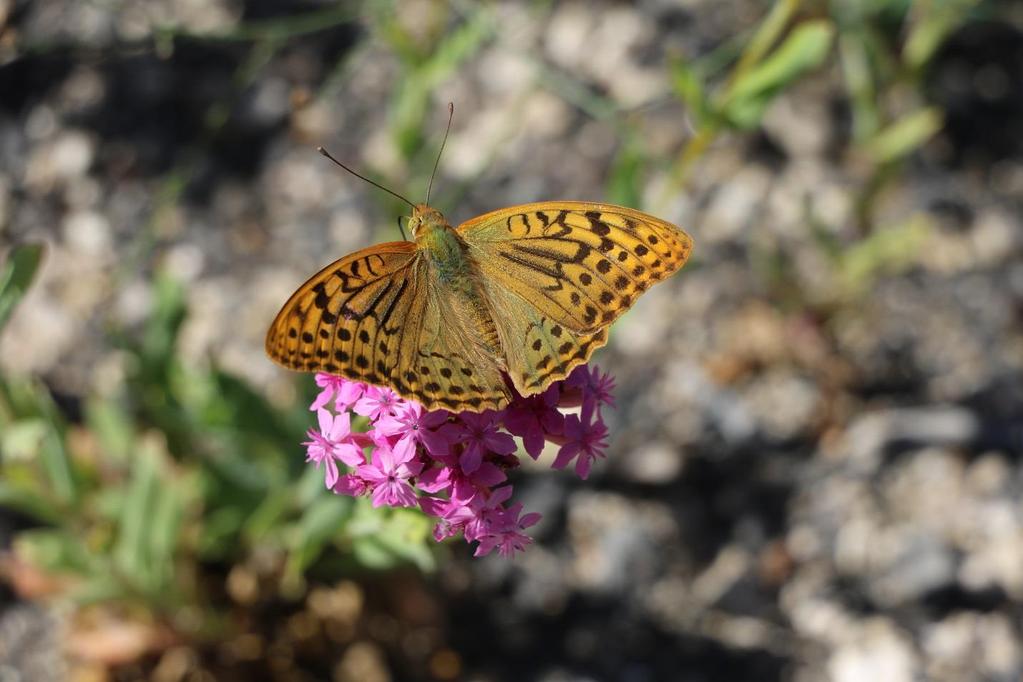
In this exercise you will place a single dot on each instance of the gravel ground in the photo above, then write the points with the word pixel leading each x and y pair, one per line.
pixel 814 475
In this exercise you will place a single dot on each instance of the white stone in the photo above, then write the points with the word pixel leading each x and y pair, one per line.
pixel 878 651
pixel 800 122
pixel 88 234
pixel 654 462
pixel 68 155
pixel 184 262
pixel 968 645
pixel 134 301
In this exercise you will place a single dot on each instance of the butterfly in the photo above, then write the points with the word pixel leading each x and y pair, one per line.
pixel 526 292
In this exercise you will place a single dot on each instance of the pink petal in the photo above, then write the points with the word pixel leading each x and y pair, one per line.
pixel 435 479
pixel 582 466
pixel 349 392
pixel 322 399
pixel 332 474
pixel 471 458
pixel 383 458
pixel 351 485
pixel 565 455
pixel 437 444
pixel 530 519
pixel 371 473
pixel 489 474
pixel 404 450
pixel 349 454
pixel 533 442
pixel 341 428
pixel 326 420
pixel 499 496
pixel 500 443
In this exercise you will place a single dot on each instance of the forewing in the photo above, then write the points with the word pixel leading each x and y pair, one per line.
pixel 332 323
pixel 580 265
pixel 376 316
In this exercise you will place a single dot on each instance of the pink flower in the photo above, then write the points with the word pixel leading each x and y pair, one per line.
pixel 584 438
pixel 479 435
pixel 454 467
pixel 593 387
pixel 388 476
pixel 506 533
pixel 330 385
pixel 410 422
pixel 348 395
pixel 332 442
pixel 451 516
pixel 376 402
pixel 351 485
pixel 344 392
pixel 434 480
pixel 464 486
pixel 486 515
pixel 535 417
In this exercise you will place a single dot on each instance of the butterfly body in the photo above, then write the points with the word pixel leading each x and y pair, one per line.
pixel 527 291
pixel 447 257
pixel 446 251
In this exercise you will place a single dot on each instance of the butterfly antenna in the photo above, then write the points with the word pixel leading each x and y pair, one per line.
pixel 363 177
pixel 451 114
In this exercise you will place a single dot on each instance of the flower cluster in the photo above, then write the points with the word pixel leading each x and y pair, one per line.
pixel 454 466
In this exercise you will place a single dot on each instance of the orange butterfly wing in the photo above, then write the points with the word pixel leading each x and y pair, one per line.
pixel 559 273
pixel 580 264
pixel 377 316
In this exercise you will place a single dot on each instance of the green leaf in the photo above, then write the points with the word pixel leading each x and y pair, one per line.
pixel 382 540
pixel 905 135
pixel 269 515
pixel 100 588
pixel 54 550
pixel 932 27
pixel 219 531
pixel 372 553
pixel 150 519
pixel 162 328
pixel 322 521
pixel 14 495
pixel 859 83
pixel 412 105
pixel 16 276
pixel 53 454
pixel 406 535
pixel 765 36
pixel 23 439
pixel 309 486
pixel 29 400
pixel 689 87
pixel 625 182
pixel 885 250
pixel 112 426
pixel 804 49
pixel 166 513
pixel 129 552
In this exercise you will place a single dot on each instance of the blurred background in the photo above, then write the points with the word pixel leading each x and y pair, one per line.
pixel 815 467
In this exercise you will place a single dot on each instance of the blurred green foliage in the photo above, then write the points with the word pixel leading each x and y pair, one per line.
pixel 183 471
pixel 180 469
pixel 883 76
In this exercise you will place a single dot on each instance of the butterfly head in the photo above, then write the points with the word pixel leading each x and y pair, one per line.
pixel 424 219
